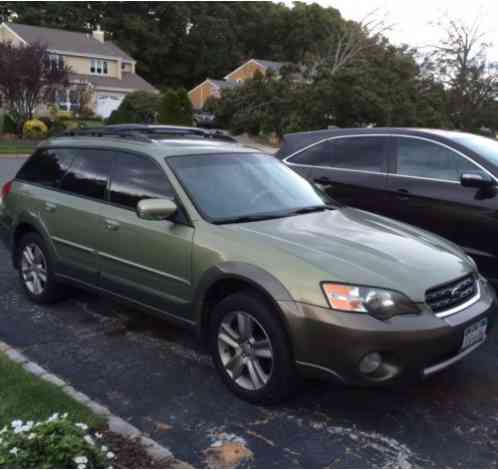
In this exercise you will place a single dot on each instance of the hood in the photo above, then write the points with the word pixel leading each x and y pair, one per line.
pixel 353 246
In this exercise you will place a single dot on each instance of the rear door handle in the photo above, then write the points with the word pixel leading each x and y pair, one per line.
pixel 111 225
pixel 49 207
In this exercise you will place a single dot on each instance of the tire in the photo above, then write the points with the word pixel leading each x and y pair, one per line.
pixel 269 381
pixel 46 290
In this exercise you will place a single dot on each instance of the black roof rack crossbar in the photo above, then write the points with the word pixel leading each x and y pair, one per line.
pixel 97 132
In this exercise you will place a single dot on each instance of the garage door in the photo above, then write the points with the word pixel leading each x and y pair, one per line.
pixel 106 104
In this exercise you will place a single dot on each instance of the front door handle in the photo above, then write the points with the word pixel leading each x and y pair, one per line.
pixel 403 194
pixel 111 225
pixel 49 207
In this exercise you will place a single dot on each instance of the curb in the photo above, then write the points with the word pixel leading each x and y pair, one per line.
pixel 117 425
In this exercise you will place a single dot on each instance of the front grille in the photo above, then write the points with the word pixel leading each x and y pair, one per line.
pixel 452 294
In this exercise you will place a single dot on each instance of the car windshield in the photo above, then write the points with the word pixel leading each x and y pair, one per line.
pixel 228 188
pixel 484 146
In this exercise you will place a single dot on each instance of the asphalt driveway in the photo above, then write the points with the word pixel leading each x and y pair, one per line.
pixel 157 377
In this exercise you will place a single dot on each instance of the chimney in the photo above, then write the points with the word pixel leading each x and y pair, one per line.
pixel 98 34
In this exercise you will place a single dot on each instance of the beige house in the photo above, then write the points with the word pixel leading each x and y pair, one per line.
pixel 210 87
pixel 96 64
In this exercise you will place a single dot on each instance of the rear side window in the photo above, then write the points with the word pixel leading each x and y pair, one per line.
pixel 46 167
pixel 89 173
pixel 349 153
pixel 134 178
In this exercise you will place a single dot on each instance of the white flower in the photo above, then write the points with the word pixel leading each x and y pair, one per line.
pixel 81 466
pixel 80 460
pixel 64 416
pixel 82 426
pixel 52 418
pixel 16 423
pixel 88 439
pixel 104 449
pixel 110 455
pixel 4 429
pixel 31 436
pixel 14 451
pixel 97 435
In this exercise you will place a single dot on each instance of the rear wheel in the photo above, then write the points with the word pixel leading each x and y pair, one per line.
pixel 250 349
pixel 35 270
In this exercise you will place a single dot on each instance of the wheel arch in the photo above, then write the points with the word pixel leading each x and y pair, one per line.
pixel 230 277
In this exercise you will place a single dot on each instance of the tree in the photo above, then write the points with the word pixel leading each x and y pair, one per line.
pixel 139 107
pixel 27 78
pixel 461 63
pixel 175 107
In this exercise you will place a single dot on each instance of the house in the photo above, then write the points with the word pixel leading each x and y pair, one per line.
pixel 210 87
pixel 95 63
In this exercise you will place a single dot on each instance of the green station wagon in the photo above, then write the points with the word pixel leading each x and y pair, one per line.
pixel 276 278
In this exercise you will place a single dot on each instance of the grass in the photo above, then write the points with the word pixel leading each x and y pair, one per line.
pixel 26 397
pixel 15 149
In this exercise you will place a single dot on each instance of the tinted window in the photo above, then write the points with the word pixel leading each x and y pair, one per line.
pixel 428 160
pixel 89 173
pixel 238 185
pixel 135 178
pixel 46 167
pixel 351 153
pixel 317 155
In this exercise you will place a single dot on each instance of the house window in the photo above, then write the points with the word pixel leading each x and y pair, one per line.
pixel 56 61
pixel 99 67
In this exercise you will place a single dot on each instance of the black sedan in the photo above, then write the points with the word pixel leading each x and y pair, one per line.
pixel 442 181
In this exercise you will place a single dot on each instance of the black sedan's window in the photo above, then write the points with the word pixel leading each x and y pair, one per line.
pixel 364 153
pixel 421 158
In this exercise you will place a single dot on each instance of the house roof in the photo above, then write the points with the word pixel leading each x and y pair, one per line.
pixel 129 81
pixel 270 64
pixel 68 41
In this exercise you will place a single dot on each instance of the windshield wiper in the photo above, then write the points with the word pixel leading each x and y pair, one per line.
pixel 247 218
pixel 307 210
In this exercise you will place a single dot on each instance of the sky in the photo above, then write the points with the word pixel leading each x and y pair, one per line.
pixel 411 19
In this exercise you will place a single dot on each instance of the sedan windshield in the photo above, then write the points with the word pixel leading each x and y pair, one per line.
pixel 242 187
pixel 484 146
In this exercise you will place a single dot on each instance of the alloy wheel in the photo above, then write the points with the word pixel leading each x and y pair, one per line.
pixel 245 350
pixel 34 269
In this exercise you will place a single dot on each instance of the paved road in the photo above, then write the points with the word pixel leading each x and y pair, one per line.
pixel 156 376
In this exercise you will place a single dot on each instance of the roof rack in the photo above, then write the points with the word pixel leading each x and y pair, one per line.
pixel 102 132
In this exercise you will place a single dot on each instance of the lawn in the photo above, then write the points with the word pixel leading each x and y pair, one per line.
pixel 13 148
pixel 26 397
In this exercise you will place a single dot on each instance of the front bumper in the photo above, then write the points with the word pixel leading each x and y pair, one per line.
pixel 332 344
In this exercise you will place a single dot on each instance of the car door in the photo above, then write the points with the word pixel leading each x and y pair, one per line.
pixel 76 213
pixel 144 260
pixel 426 192
pixel 350 169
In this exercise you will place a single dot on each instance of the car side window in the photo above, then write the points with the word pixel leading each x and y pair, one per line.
pixel 421 158
pixel 135 177
pixel 46 167
pixel 317 155
pixel 88 174
pixel 349 153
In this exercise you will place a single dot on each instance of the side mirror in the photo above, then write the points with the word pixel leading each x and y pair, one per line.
pixel 476 180
pixel 156 209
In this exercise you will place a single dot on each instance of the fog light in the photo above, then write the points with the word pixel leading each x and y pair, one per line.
pixel 370 363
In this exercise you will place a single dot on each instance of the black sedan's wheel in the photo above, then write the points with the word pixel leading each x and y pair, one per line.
pixel 35 270
pixel 250 349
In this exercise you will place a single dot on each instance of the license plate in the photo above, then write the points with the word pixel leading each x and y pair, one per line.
pixel 474 333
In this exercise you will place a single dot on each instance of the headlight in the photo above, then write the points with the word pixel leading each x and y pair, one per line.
pixel 380 303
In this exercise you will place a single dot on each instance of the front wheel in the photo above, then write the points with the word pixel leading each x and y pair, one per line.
pixel 250 349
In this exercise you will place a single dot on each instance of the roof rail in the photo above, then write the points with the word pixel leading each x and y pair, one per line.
pixel 114 133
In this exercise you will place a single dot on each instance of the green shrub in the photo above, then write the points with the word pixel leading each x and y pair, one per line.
pixel 137 107
pixel 54 443
pixel 9 125
pixel 175 108
pixel 34 129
